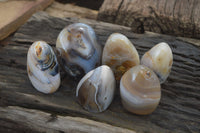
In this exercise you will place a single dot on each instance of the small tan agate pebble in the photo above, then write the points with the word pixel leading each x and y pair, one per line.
pixel 119 54
pixel 160 60
pixel 140 90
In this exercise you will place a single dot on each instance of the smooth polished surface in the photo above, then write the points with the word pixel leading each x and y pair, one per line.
pixel 42 67
pixel 140 90
pixel 80 50
pixel 96 89
pixel 119 54
pixel 160 60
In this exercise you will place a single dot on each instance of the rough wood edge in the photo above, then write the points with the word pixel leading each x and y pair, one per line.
pixel 57 9
pixel 16 23
pixel 36 120
pixel 178 18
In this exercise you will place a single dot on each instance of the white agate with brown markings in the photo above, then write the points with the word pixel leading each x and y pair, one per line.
pixel 140 90
pixel 42 67
pixel 119 54
pixel 95 90
pixel 160 60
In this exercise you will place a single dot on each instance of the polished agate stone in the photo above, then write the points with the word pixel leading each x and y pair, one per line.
pixel 160 60
pixel 119 54
pixel 95 90
pixel 42 67
pixel 140 90
pixel 78 49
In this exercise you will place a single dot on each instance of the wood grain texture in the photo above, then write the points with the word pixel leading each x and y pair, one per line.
pixel 14 13
pixel 39 121
pixel 57 9
pixel 179 108
pixel 174 17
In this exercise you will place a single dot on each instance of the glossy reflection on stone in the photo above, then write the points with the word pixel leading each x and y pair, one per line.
pixel 80 50
pixel 96 89
pixel 42 67
pixel 160 60
pixel 119 54
pixel 140 90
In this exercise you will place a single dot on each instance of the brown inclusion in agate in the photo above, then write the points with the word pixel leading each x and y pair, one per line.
pixel 87 96
pixel 95 91
pixel 119 54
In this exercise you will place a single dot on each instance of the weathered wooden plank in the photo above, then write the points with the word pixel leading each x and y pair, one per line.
pixel 38 121
pixel 57 9
pixel 14 13
pixel 178 111
pixel 174 17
